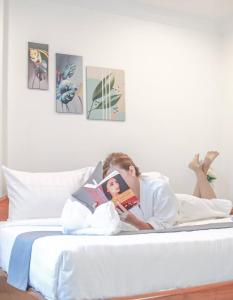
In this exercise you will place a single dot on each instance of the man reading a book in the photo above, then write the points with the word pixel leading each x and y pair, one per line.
pixel 158 206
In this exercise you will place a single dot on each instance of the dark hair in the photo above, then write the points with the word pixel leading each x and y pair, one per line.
pixel 123 186
pixel 121 159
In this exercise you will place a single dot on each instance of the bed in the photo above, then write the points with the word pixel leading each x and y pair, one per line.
pixel 182 265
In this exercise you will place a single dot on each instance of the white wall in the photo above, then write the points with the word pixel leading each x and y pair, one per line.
pixel 3 84
pixel 227 112
pixel 172 92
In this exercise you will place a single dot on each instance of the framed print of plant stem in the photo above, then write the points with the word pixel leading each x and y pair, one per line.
pixel 105 94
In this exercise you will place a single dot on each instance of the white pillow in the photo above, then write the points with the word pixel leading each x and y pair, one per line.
pixel 41 195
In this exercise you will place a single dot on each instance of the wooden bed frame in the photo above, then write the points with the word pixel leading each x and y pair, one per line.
pixel 217 291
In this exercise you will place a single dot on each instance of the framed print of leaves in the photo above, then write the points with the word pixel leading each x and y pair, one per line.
pixel 38 61
pixel 105 94
pixel 69 83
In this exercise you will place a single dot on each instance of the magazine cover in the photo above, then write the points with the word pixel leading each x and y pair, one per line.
pixel 112 188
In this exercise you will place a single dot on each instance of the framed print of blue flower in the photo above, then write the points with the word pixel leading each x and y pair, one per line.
pixel 69 83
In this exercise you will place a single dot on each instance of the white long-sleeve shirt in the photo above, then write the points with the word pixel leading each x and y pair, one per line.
pixel 158 204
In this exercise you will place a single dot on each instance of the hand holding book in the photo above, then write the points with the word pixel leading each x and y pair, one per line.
pixel 129 217
pixel 122 211
pixel 112 188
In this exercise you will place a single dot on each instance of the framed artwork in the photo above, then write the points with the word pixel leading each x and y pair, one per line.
pixel 69 83
pixel 38 61
pixel 105 94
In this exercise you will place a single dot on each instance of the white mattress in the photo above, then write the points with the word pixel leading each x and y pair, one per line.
pixel 94 267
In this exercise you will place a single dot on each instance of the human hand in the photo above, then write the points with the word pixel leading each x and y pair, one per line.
pixel 122 211
pixel 125 215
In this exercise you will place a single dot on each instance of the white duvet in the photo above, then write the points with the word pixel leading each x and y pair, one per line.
pixel 97 267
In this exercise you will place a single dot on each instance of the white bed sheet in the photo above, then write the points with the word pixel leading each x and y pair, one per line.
pixel 97 267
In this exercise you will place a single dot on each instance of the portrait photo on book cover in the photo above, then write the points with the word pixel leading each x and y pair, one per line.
pixel 116 189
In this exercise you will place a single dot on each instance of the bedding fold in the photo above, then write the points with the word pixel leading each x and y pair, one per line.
pixel 208 226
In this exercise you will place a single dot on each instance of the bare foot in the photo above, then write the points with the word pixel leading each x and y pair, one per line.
pixel 195 164
pixel 209 158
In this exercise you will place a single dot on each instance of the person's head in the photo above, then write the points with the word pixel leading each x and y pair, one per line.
pixel 122 163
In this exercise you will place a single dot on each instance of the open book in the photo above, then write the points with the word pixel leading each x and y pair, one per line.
pixel 111 188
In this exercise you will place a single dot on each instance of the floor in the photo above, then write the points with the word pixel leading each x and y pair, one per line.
pixel 9 293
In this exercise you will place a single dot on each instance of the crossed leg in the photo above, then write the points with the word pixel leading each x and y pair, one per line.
pixel 203 189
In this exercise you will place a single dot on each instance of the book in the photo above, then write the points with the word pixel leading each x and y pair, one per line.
pixel 111 188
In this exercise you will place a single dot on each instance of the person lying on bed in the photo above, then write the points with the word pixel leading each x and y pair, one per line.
pixel 159 207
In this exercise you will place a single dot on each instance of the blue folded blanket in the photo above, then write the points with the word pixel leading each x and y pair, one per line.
pixel 19 266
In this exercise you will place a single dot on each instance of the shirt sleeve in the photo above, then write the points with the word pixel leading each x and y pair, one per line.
pixel 164 207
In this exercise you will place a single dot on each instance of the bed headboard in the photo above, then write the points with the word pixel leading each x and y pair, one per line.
pixel 4 208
